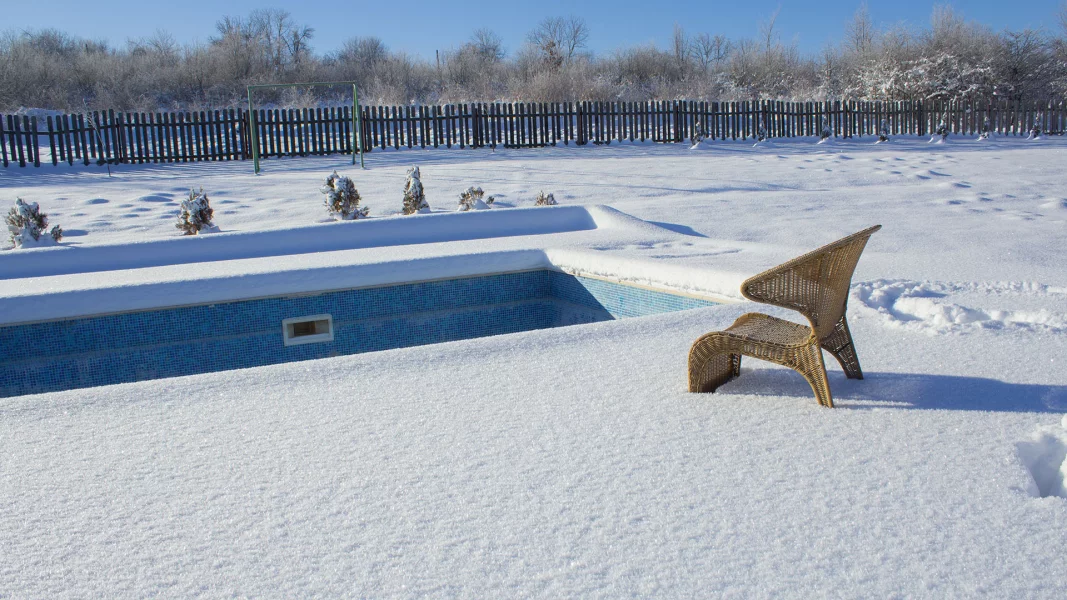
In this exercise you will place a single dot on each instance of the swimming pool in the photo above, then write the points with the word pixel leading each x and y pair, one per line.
pixel 185 340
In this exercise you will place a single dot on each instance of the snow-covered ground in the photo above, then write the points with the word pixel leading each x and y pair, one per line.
pixel 572 462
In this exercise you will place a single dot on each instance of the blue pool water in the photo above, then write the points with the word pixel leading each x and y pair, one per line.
pixel 119 348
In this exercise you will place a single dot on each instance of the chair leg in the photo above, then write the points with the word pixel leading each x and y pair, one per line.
pixel 711 364
pixel 812 367
pixel 839 343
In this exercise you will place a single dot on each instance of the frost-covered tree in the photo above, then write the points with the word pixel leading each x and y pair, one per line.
pixel 27 226
pixel 559 38
pixel 414 195
pixel 883 131
pixel 195 215
pixel 471 199
pixel 544 199
pixel 342 198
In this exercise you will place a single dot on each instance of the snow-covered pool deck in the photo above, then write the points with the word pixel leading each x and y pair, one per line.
pixel 151 329
pixel 571 462
pixel 82 281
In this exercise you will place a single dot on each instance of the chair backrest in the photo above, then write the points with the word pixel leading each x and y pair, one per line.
pixel 815 284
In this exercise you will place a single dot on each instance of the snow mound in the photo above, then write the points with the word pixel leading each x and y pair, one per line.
pixel 1055 205
pixel 1044 457
pixel 931 306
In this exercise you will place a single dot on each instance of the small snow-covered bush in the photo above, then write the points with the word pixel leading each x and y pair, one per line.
pixel 984 133
pixel 1035 129
pixel 471 199
pixel 940 132
pixel 761 132
pixel 195 215
pixel 414 195
pixel 544 199
pixel 883 131
pixel 699 135
pixel 342 198
pixel 27 226
pixel 826 131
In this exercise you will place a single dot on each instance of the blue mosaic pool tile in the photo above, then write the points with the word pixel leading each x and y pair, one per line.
pixel 107 349
pixel 621 301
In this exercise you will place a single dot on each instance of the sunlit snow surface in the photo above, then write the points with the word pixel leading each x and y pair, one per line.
pixel 572 462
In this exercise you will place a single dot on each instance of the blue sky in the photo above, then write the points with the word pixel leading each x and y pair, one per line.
pixel 419 27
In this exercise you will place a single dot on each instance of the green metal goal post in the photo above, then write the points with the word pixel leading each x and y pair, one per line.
pixel 357 132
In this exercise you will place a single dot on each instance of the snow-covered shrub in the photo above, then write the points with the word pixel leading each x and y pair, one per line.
pixel 544 199
pixel 761 132
pixel 826 131
pixel 984 133
pixel 195 215
pixel 940 132
pixel 699 135
pixel 414 195
pixel 27 226
pixel 342 198
pixel 883 131
pixel 471 199
pixel 1035 129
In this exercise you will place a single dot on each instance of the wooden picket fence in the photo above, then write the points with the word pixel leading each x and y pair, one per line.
pixel 110 137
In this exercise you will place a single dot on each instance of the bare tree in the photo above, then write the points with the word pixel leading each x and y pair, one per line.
pixel 235 43
pixel 365 51
pixel 488 44
pixel 681 48
pixel 1024 64
pixel 859 34
pixel 767 29
pixel 285 41
pixel 164 44
pixel 710 50
pixel 560 35
pixel 830 73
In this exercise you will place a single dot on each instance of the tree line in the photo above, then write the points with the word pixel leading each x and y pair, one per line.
pixel 951 58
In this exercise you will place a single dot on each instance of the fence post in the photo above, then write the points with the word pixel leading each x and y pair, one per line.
pixel 36 145
pixel 3 142
pixel 581 125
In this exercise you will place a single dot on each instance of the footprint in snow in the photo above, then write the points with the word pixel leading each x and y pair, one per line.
pixel 1045 457
pixel 936 307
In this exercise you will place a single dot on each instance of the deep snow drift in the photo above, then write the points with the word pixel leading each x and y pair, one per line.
pixel 572 462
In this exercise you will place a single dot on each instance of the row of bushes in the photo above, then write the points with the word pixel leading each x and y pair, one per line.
pixel 950 58
pixel 28 226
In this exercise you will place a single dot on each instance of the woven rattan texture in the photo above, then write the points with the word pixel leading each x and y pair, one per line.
pixel 815 285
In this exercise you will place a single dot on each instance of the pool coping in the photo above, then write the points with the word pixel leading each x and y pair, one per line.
pixel 716 298
pixel 588 253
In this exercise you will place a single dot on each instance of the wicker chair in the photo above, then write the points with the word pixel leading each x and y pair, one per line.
pixel 815 284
